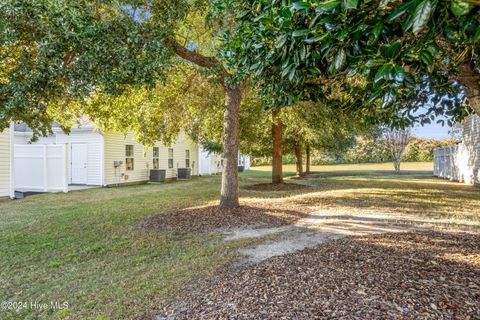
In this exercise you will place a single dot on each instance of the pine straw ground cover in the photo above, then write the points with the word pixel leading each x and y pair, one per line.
pixel 205 219
pixel 277 187
pixel 426 275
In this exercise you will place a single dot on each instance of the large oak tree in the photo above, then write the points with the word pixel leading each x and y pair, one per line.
pixel 59 52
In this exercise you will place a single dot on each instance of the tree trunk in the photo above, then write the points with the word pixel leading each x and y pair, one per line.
pixel 307 154
pixel 298 155
pixel 229 193
pixel 471 81
pixel 277 163
pixel 396 165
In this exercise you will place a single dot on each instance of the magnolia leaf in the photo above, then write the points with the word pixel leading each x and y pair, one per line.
pixel 382 73
pixel 350 4
pixel 374 97
pixel 327 6
pixel 375 62
pixel 300 33
pixel 300 5
pixel 400 10
pixel 398 73
pixel 316 38
pixel 392 50
pixel 426 58
pixel 476 36
pixel 460 8
pixel 340 59
pixel 421 16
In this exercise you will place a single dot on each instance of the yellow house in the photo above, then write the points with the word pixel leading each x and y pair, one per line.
pixel 6 163
pixel 127 161
pixel 100 158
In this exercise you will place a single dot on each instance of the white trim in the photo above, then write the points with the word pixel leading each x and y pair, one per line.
pixel 11 164
pixel 102 159
pixel 86 128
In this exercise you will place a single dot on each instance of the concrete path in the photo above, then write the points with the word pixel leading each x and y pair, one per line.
pixel 320 227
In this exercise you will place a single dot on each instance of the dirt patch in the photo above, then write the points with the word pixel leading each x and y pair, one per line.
pixel 427 275
pixel 206 219
pixel 308 176
pixel 277 187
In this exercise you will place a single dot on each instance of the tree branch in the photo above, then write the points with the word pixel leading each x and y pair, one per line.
pixel 192 56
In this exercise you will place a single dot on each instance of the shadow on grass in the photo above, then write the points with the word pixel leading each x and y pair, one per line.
pixel 415 194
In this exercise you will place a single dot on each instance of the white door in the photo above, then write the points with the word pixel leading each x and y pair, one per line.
pixel 205 165
pixel 79 163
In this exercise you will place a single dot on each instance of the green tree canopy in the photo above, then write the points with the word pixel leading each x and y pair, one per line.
pixel 404 54
pixel 64 51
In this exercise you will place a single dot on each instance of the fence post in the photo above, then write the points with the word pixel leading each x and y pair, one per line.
pixel 45 167
pixel 65 167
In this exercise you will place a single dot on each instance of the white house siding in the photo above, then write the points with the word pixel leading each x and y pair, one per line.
pixel 94 142
pixel 6 139
pixel 461 162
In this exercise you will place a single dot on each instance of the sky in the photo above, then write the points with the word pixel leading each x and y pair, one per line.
pixel 432 131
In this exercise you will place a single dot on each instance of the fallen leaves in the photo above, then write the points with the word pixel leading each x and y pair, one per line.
pixel 353 278
pixel 277 187
pixel 206 219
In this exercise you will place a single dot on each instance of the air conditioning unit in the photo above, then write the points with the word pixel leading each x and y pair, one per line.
pixel 184 173
pixel 157 175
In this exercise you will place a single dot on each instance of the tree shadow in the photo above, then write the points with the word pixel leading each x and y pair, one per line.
pixel 426 196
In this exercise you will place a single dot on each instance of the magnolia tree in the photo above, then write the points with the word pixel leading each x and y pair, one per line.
pixel 401 55
pixel 396 141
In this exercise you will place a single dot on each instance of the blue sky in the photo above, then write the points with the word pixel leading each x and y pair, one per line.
pixel 432 131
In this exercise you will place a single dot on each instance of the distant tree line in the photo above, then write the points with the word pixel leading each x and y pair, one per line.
pixel 368 149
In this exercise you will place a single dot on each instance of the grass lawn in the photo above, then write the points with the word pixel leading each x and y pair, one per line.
pixel 86 247
pixel 358 168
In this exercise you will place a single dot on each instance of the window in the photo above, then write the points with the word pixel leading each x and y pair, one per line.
pixel 170 158
pixel 156 155
pixel 187 158
pixel 129 157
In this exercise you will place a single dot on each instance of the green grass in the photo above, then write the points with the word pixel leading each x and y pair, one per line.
pixel 362 168
pixel 86 247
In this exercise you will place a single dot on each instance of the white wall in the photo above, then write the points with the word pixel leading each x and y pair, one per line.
pixel 24 138
pixel 89 136
pixel 40 167
pixel 461 162
pixel 94 141
pixel 209 162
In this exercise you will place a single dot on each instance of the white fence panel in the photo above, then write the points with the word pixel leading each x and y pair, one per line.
pixel 40 168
